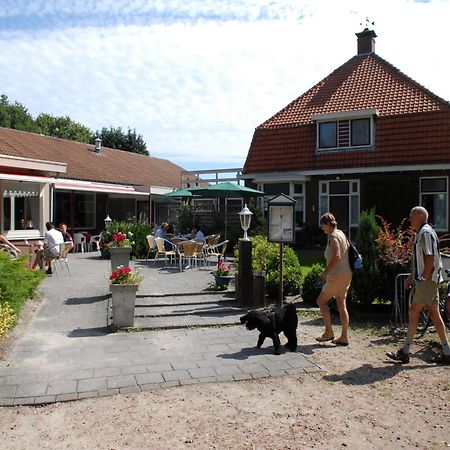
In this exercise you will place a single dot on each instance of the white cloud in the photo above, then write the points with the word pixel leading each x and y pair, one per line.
pixel 196 89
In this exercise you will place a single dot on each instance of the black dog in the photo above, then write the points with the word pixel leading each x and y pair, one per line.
pixel 270 324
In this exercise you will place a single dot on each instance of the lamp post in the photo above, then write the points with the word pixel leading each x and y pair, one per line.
pixel 108 222
pixel 245 217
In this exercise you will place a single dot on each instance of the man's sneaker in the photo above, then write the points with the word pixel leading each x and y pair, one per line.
pixel 440 359
pixel 48 271
pixel 399 355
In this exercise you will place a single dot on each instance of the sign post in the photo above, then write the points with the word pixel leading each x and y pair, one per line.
pixel 281 214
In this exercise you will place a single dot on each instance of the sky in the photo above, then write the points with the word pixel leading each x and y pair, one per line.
pixel 196 77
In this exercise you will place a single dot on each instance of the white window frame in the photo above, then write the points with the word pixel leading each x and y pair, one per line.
pixel 345 116
pixel 325 193
pixel 445 229
pixel 298 197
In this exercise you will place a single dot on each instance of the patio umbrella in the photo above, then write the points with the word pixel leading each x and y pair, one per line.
pixel 225 190
pixel 179 193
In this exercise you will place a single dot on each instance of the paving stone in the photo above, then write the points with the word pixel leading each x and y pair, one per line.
pixel 190 381
pixel 120 382
pixel 24 401
pixel 172 383
pixel 150 386
pixel 184 365
pixel 130 390
pixel 131 370
pixel 32 389
pixel 312 369
pixel 224 378
pixel 44 399
pixel 89 394
pixel 8 391
pixel 173 375
pixel 107 372
pixel 82 374
pixel 149 378
pixel 207 379
pixel 159 367
pixel 252 368
pixel 67 397
pixel 6 401
pixel 257 375
pixel 62 387
pixel 228 370
pixel 300 363
pixel 202 372
pixel 273 366
pixel 242 377
pixel 278 373
pixel 92 384
pixel 108 392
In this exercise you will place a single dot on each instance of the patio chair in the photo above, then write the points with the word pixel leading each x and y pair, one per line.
pixel 61 254
pixel 94 243
pixel 161 250
pixel 199 252
pixel 186 252
pixel 79 240
pixel 151 244
pixel 216 251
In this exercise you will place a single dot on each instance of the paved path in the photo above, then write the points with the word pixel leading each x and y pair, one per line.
pixel 67 352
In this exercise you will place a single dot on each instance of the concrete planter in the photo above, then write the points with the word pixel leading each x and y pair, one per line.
pixel 223 281
pixel 123 298
pixel 120 256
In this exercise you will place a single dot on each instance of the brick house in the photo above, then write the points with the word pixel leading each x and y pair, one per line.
pixel 365 136
pixel 44 178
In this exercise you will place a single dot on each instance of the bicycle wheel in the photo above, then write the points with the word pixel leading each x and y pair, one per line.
pixel 424 321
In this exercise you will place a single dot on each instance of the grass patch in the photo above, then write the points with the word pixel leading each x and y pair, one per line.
pixel 308 258
pixel 17 282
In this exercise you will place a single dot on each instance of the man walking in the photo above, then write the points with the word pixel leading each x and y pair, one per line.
pixel 426 276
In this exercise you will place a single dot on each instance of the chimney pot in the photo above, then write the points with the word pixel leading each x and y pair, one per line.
pixel 98 145
pixel 366 41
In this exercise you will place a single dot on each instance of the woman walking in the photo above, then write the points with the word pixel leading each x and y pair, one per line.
pixel 337 276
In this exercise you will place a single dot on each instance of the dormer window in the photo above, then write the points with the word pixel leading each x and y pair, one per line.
pixel 345 130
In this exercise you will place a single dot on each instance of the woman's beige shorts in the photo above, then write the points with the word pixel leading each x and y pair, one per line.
pixel 338 287
pixel 426 292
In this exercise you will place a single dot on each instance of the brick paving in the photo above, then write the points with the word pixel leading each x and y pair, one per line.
pixel 68 352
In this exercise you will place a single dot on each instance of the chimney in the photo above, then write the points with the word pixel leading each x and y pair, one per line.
pixel 366 41
pixel 98 145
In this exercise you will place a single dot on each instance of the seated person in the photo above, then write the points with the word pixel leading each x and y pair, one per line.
pixel 9 246
pixel 67 237
pixel 197 234
pixel 161 232
pixel 51 239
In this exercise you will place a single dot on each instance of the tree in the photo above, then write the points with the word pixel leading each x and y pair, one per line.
pixel 16 116
pixel 63 128
pixel 116 138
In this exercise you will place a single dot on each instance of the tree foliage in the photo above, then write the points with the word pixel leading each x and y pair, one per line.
pixel 116 138
pixel 16 116
pixel 63 128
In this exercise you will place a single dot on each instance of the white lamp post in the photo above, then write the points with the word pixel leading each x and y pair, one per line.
pixel 108 221
pixel 246 217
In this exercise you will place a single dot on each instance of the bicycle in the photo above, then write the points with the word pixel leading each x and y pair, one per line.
pixel 444 307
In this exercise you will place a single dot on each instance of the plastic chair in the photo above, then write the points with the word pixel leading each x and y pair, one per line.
pixel 60 257
pixel 186 252
pixel 161 250
pixel 151 244
pixel 94 242
pixel 216 251
pixel 79 240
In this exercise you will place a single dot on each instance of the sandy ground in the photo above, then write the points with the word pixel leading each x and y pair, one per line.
pixel 363 401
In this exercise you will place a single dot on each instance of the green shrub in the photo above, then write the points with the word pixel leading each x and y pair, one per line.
pixel 17 284
pixel 266 257
pixel 312 284
pixel 138 230
pixel 365 281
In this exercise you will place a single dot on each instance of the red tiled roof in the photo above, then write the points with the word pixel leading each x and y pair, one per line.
pixel 286 141
pixel 110 166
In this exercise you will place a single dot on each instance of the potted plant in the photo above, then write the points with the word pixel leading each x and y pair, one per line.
pixel 120 249
pixel 223 274
pixel 124 285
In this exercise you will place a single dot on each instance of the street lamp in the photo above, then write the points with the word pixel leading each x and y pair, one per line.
pixel 108 221
pixel 246 217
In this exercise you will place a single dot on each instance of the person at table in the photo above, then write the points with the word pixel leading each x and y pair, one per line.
pixel 66 235
pixel 197 234
pixel 51 239
pixel 161 232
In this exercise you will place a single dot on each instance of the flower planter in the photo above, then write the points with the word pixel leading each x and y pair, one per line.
pixel 223 280
pixel 123 298
pixel 120 256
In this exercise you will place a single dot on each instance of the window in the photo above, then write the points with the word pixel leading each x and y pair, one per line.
pixel 20 206
pixel 433 196
pixel 346 129
pixel 297 193
pixel 342 199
